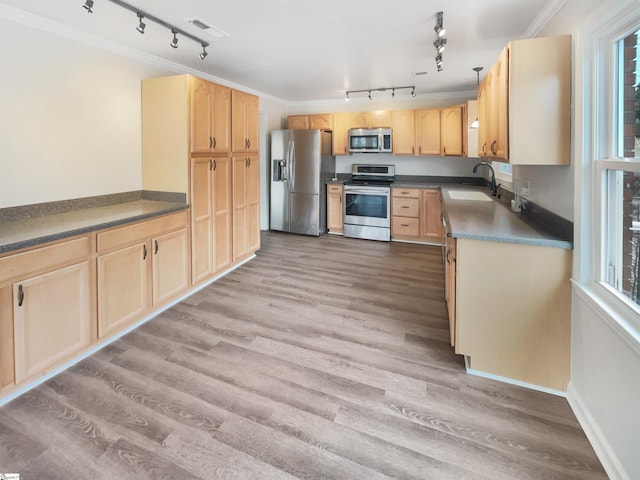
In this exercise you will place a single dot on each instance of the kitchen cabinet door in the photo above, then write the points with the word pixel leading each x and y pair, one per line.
pixel 51 315
pixel 450 287
pixel 210 117
pixel 379 119
pixel 402 123
pixel 122 288
pixel 201 115
pixel 170 266
pixel 298 122
pixel 202 220
pixel 484 115
pixel 339 137
pixel 428 131
pixel 222 211
pixel 253 204
pixel 431 216
pixel 323 121
pixel 358 120
pixel 245 118
pixel 335 222
pixel 451 133
pixel 240 210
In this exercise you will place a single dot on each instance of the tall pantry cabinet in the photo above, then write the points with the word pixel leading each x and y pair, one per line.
pixel 192 132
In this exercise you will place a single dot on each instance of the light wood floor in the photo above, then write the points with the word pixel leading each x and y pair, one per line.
pixel 321 358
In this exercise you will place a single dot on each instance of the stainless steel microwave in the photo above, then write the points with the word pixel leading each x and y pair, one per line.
pixel 370 140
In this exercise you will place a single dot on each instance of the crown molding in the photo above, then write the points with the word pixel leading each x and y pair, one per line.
pixel 547 13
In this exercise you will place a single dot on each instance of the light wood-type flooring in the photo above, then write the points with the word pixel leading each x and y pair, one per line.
pixel 322 358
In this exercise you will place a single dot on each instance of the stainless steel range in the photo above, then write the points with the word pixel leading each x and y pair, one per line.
pixel 367 202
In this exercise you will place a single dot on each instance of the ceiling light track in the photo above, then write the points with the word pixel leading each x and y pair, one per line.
pixel 440 40
pixel 175 31
pixel 382 89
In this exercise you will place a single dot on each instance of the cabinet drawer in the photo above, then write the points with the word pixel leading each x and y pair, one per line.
pixel 335 189
pixel 405 207
pixel 406 227
pixel 405 192
pixel 44 258
pixel 131 234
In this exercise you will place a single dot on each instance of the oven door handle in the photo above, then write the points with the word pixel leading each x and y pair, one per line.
pixel 367 191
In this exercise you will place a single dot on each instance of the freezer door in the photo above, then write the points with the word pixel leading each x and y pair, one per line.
pixel 305 213
pixel 279 205
pixel 304 168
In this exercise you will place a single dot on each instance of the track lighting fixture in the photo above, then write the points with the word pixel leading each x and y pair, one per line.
pixel 204 53
pixel 381 89
pixel 88 6
pixel 439 28
pixel 439 67
pixel 439 44
pixel 141 25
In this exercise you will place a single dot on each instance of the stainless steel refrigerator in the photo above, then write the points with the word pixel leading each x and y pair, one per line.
pixel 301 163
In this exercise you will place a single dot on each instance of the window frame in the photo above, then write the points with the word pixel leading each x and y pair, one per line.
pixel 600 135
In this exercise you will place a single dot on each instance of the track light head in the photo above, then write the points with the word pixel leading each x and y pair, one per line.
pixel 439 60
pixel 413 92
pixel 440 67
pixel 439 44
pixel 204 53
pixel 141 25
pixel 174 42
pixel 439 28
pixel 88 6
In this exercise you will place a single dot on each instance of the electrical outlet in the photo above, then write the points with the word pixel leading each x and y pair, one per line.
pixel 526 188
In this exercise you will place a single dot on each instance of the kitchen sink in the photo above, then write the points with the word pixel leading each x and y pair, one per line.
pixel 469 195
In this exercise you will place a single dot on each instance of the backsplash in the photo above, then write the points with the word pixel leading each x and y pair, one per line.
pixel 409 165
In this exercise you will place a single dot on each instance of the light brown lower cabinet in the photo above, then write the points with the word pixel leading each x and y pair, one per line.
pixel 140 266
pixel 510 307
pixel 335 222
pixel 46 308
pixel 416 215
pixel 246 205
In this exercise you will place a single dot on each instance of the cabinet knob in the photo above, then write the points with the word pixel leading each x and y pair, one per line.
pixel 404 206
pixel 493 149
pixel 214 164
pixel 210 164
pixel 155 251
pixel 144 251
pixel 214 142
pixel 210 142
pixel 248 143
pixel 444 149
pixel 20 295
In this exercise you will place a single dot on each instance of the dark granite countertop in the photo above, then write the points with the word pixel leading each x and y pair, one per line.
pixel 29 232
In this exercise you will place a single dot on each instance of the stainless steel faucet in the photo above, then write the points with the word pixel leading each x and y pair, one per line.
pixel 494 187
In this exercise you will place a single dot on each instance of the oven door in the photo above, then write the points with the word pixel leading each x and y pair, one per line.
pixel 367 206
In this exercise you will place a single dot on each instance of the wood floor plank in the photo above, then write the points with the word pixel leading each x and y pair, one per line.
pixel 323 357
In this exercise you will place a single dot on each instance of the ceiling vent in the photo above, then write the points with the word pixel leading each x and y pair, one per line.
pixel 207 28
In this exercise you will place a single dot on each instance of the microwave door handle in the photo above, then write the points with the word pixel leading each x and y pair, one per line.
pixel 380 141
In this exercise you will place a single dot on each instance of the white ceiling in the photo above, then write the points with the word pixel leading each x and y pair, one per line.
pixel 303 50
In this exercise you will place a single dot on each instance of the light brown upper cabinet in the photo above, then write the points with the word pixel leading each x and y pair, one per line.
pixel 402 124
pixel 245 115
pixel 428 131
pixel 379 119
pixel 323 121
pixel 524 103
pixel 451 130
pixel 210 117
pixel 298 122
pixel 339 137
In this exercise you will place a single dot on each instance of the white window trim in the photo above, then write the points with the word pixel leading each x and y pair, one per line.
pixel 596 59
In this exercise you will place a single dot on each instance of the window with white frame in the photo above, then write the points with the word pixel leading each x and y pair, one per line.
pixel 617 175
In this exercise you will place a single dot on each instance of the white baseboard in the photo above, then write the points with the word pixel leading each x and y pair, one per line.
pixel 511 381
pixel 598 441
pixel 25 388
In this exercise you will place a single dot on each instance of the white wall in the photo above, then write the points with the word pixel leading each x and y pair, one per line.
pixel 69 118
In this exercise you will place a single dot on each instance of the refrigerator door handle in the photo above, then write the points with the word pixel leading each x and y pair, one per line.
pixel 292 165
